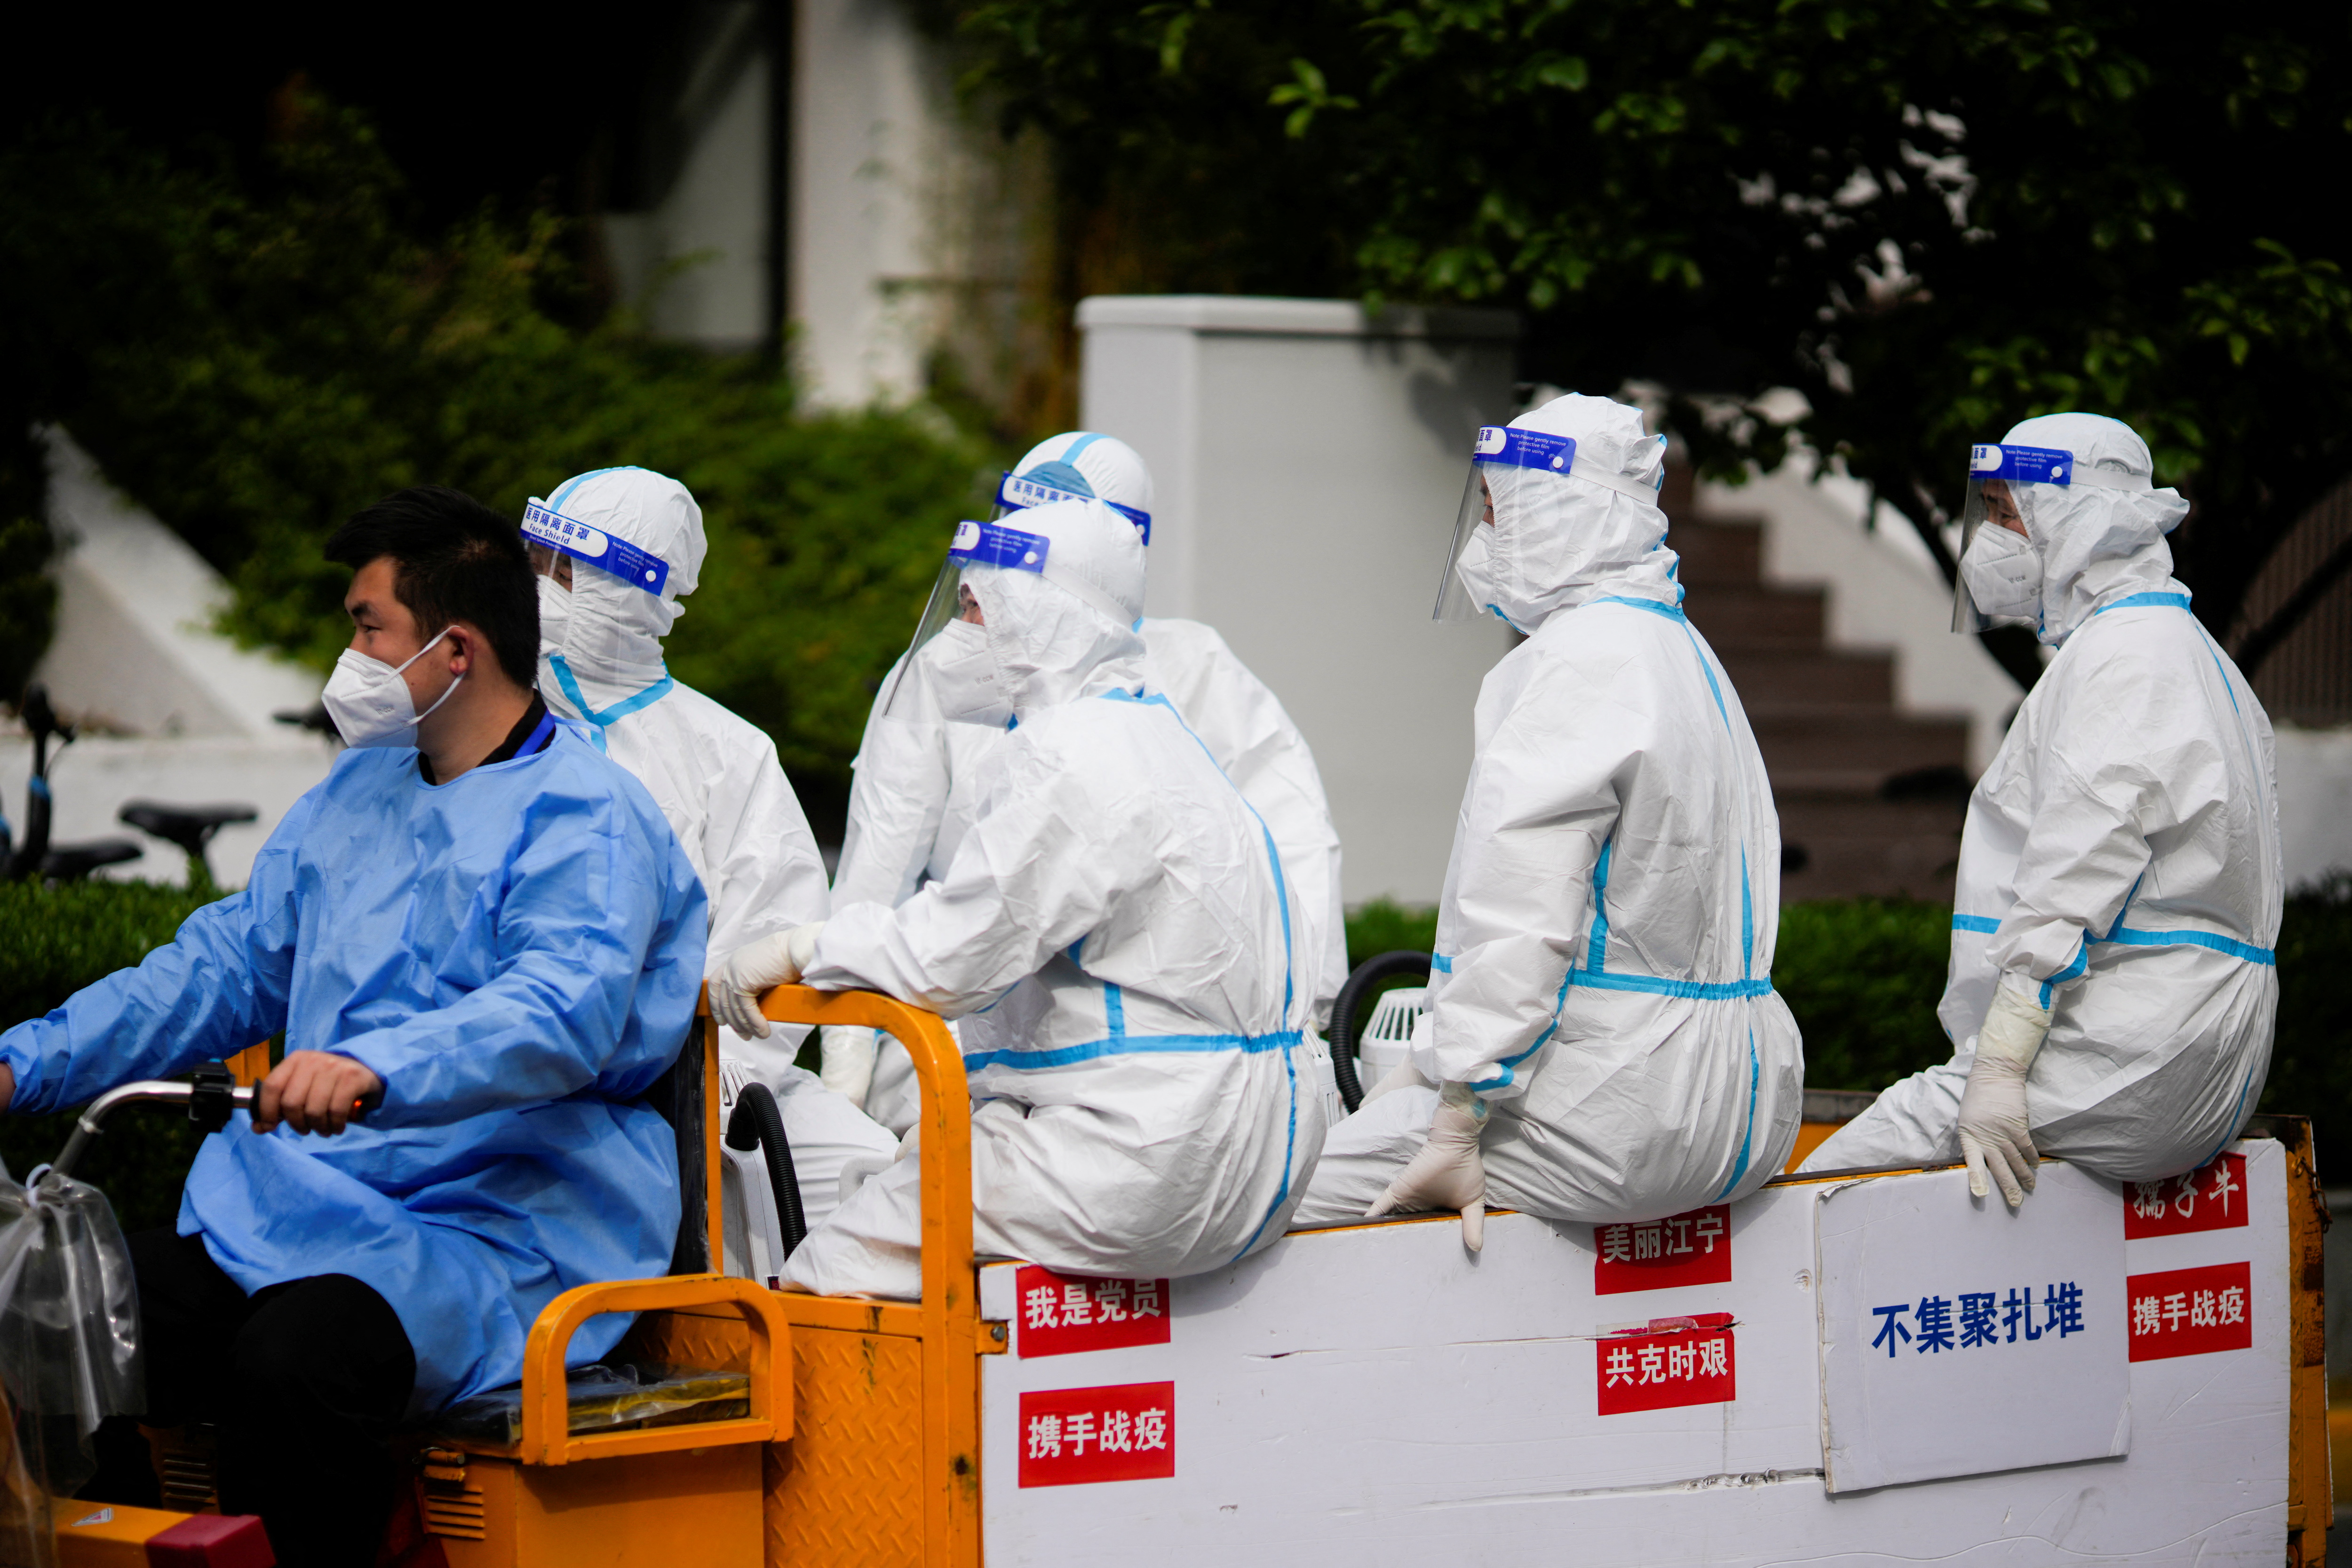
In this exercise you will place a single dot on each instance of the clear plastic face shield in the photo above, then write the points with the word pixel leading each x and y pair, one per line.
pixel 981 544
pixel 2000 577
pixel 1465 585
pixel 1018 493
pixel 554 542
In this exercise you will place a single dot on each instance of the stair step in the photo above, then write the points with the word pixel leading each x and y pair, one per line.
pixel 1715 553
pixel 1872 742
pixel 1851 845
pixel 1730 615
pixel 1809 675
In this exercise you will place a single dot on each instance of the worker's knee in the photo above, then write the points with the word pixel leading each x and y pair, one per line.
pixel 330 1347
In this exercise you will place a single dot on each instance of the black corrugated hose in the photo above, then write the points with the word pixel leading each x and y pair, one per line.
pixel 1353 997
pixel 756 1122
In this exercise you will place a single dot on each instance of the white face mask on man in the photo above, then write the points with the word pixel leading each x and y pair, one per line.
pixel 370 702
pixel 2003 571
pixel 962 673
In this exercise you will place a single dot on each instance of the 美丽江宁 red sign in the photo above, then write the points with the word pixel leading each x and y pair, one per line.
pixel 1692 1249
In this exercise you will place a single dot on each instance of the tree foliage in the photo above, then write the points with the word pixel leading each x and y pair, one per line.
pixel 255 354
pixel 1932 218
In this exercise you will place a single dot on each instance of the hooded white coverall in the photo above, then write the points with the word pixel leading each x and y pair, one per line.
pixel 2120 863
pixel 716 778
pixel 1605 930
pixel 1115 936
pixel 914 792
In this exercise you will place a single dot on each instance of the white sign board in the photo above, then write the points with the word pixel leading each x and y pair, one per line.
pixel 1958 1338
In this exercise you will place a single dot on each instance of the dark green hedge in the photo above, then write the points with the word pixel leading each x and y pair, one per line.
pixel 1864 976
pixel 54 942
pixel 1863 979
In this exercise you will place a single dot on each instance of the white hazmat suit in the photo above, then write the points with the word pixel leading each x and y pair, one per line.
pixel 714 776
pixel 2120 869
pixel 1115 936
pixel 1604 940
pixel 913 798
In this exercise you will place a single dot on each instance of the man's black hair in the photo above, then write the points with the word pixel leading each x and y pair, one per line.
pixel 453 559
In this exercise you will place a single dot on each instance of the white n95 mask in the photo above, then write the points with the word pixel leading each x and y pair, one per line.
pixel 369 702
pixel 962 674
pixel 555 602
pixel 2003 572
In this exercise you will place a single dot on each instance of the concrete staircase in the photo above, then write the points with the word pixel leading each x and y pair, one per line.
pixel 1870 798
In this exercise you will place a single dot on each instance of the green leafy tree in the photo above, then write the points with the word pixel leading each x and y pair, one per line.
pixel 1931 219
pixel 255 356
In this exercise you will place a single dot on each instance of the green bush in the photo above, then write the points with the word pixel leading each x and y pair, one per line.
pixel 256 354
pixel 1863 978
pixel 54 942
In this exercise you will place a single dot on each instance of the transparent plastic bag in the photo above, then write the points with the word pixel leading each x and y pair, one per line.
pixel 605 1397
pixel 68 1350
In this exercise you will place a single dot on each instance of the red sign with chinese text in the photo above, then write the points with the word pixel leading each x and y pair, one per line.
pixel 1070 1435
pixel 1692 1249
pixel 1059 1313
pixel 2210 1198
pixel 2191 1311
pixel 1674 1360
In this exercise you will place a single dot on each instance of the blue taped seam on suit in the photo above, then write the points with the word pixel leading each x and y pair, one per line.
pixel 2146 602
pixel 1746 1133
pixel 1984 925
pixel 618 711
pixel 1131 1046
pixel 1439 962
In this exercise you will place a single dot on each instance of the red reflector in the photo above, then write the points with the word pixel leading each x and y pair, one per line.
pixel 212 1541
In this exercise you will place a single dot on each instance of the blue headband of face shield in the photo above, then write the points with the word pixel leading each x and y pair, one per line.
pixel 2027 465
pixel 638 568
pixel 1550 454
pixel 1021 492
pixel 993 544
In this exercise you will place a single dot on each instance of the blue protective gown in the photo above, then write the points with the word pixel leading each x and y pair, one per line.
pixel 517 953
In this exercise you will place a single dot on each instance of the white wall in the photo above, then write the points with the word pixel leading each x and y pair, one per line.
pixel 2315 796
pixel 1308 464
pixel 177 712
pixel 697 263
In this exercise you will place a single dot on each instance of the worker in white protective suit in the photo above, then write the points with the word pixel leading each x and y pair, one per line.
pixel 616 550
pixel 912 799
pixel 1602 1040
pixel 1114 932
pixel 2112 984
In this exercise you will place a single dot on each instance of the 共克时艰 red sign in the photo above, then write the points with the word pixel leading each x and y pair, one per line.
pixel 1071 1435
pixel 2191 1311
pixel 1059 1313
pixel 1692 1249
pixel 2211 1197
pixel 1674 1361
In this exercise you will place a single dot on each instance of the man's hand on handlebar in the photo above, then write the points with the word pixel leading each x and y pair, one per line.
pixel 312 1091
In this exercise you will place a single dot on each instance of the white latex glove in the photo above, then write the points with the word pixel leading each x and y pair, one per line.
pixel 848 1053
pixel 1993 1131
pixel 1447 1173
pixel 750 969
pixel 1402 1076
